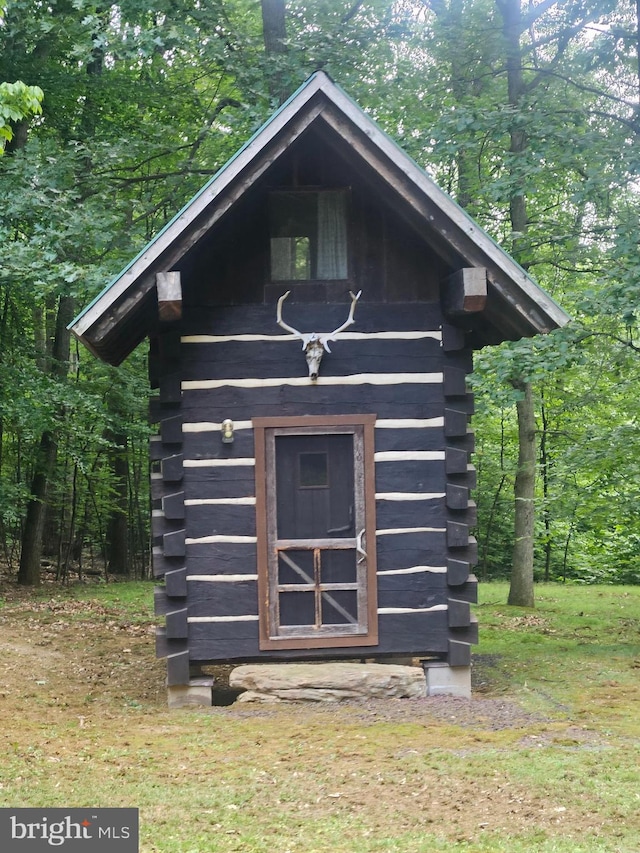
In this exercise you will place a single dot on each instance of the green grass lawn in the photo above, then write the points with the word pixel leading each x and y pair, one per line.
pixel 543 758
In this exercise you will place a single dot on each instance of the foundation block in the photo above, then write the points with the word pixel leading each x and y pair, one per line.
pixel 197 692
pixel 445 680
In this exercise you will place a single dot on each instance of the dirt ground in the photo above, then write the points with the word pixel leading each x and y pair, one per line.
pixel 83 654
pixel 78 647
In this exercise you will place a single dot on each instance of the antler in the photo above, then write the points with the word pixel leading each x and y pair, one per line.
pixel 313 343
pixel 286 326
pixel 348 321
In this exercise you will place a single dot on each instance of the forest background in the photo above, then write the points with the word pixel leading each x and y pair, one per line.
pixel 528 113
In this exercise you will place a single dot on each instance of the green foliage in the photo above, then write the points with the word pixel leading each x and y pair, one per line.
pixel 143 105
pixel 17 101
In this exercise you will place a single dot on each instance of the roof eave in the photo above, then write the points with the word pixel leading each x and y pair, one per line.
pixel 535 310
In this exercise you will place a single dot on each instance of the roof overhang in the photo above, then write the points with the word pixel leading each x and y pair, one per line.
pixel 121 316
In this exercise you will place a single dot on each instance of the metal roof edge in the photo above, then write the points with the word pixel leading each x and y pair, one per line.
pixel 437 193
pixel 318 76
pixel 320 81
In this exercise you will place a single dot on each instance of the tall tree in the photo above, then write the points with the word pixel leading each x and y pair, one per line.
pixel 521 588
pixel 178 88
pixel 274 28
pixel 31 550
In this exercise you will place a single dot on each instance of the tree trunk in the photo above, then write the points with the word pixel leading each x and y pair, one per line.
pixel 274 33
pixel 31 550
pixel 118 524
pixel 521 588
pixel 545 467
pixel 451 21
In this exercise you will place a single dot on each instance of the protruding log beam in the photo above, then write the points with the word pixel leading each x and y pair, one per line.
pixel 157 486
pixel 161 603
pixel 166 646
pixel 171 388
pixel 156 450
pixel 176 583
pixel 465 292
pixel 162 564
pixel 169 344
pixel 457 572
pixel 178 668
pixel 453 339
pixel 457 496
pixel 459 613
pixel 457 534
pixel 172 468
pixel 171 429
pixel 153 363
pixel 455 423
pixel 169 290
pixel 456 460
pixel 454 381
pixel 176 622
pixel 459 653
pixel 173 506
pixel 155 410
pixel 173 544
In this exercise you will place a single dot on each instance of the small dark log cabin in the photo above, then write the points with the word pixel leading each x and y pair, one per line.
pixel 310 509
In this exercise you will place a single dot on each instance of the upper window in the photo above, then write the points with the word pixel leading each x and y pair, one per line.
pixel 308 231
pixel 316 531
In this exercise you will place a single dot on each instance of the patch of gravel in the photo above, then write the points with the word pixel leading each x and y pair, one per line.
pixel 489 714
pixel 486 714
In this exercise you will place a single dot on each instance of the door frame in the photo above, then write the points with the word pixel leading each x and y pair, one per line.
pixel 265 430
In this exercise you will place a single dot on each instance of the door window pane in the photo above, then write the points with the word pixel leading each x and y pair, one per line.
pixel 313 470
pixel 338 566
pixel 295 567
pixel 297 608
pixel 314 486
pixel 340 607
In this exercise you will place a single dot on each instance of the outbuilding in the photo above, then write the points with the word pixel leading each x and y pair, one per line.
pixel 312 314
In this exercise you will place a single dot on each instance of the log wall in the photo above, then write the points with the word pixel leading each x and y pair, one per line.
pixel 399 362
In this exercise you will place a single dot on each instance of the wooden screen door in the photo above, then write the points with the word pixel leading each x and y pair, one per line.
pixel 316 577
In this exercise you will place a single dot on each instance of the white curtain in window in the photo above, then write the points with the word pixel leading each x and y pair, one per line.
pixel 332 235
pixel 283 255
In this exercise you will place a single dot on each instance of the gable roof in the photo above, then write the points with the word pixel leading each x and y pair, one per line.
pixel 115 322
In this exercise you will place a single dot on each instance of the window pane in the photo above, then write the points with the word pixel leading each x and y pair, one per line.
pixel 308 232
pixel 338 566
pixel 297 608
pixel 295 567
pixel 313 469
pixel 290 258
pixel 340 607
pixel 293 214
pixel 303 258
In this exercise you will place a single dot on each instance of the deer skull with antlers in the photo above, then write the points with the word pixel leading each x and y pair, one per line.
pixel 315 344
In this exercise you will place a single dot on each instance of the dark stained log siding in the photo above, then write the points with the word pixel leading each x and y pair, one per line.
pixel 168 522
pixel 370 317
pixel 220 537
pixel 461 511
pixel 388 260
pixel 238 641
pixel 211 598
pixel 220 519
pixel 399 514
pixel 387 401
